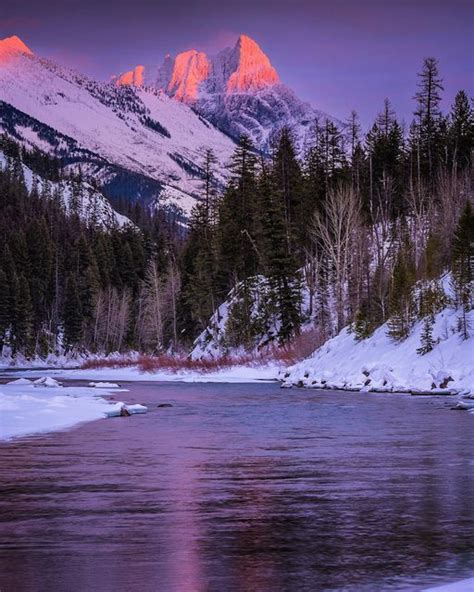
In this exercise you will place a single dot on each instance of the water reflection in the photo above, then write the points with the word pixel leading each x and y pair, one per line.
pixel 243 487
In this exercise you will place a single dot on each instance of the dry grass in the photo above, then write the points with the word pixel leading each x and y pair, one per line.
pixel 301 347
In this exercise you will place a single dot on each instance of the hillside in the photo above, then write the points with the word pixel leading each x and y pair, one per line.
pixel 135 143
pixel 93 207
pixel 380 364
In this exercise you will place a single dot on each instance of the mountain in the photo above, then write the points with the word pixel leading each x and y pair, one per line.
pixel 238 90
pixel 134 141
pixel 92 206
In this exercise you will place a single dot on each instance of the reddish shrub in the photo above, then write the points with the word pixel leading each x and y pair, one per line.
pixel 301 347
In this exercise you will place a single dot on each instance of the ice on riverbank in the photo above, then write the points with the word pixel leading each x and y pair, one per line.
pixel 28 407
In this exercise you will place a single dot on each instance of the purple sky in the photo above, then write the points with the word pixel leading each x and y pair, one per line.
pixel 338 54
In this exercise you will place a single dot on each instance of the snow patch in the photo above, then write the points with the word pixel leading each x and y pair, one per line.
pixel 26 409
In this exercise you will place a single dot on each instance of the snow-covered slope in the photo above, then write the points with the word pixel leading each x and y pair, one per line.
pixel 379 363
pixel 238 90
pixel 134 141
pixel 92 206
pixel 217 339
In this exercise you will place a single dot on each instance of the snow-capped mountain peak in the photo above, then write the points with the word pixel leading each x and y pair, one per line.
pixel 238 90
pixel 243 68
pixel 191 68
pixel 251 69
pixel 132 140
pixel 133 77
pixel 13 45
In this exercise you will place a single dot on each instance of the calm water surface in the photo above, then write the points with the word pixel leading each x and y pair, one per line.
pixel 243 488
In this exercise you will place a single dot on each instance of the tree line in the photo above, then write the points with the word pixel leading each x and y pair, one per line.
pixel 348 228
pixel 342 228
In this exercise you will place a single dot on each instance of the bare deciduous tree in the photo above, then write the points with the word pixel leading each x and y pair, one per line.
pixel 111 319
pixel 335 232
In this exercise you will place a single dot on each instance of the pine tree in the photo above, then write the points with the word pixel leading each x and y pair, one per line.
pixel 463 266
pixel 22 317
pixel 401 305
pixel 427 342
pixel 461 131
pixel 428 98
pixel 280 266
pixel 72 314
pixel 5 318
pixel 236 230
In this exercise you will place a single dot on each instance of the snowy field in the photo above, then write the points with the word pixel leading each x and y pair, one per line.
pixel 44 405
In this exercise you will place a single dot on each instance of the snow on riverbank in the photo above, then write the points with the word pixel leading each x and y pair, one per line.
pixel 378 363
pixel 234 374
pixel 461 586
pixel 28 408
pixel 7 360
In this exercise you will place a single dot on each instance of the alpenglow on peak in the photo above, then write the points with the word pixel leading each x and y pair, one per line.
pixel 238 90
pixel 243 68
pixel 12 45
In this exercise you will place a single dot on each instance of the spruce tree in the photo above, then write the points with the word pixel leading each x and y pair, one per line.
pixel 363 326
pixel 22 317
pixel 288 182
pixel 401 305
pixel 354 138
pixel 385 148
pixel 236 230
pixel 427 342
pixel 428 98
pixel 5 318
pixel 72 314
pixel 461 131
pixel 280 265
pixel 463 266
pixel 240 328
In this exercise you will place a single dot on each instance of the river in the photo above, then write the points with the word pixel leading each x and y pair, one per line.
pixel 243 487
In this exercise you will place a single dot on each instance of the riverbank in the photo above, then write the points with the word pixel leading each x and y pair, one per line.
pixel 380 364
pixel 32 407
pixel 461 586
